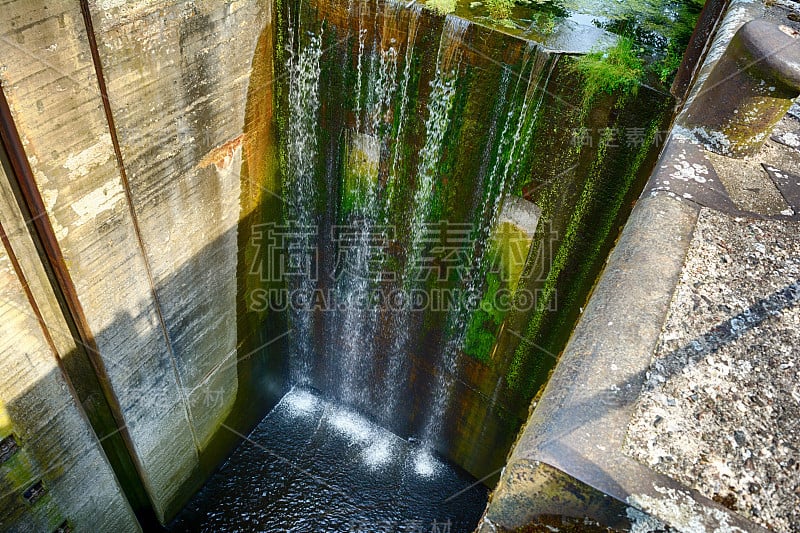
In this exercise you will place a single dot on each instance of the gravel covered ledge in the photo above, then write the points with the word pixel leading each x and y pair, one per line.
pixel 720 410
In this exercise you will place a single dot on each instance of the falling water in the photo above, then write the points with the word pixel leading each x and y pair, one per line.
pixel 393 381
pixel 359 321
pixel 413 22
pixel 362 35
pixel 441 102
pixel 439 105
pixel 383 90
pixel 299 196
pixel 358 326
pixel 515 137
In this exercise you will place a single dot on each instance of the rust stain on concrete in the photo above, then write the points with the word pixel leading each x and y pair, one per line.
pixel 222 155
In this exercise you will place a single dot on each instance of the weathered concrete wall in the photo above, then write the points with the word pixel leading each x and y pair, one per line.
pixel 50 82
pixel 133 131
pixel 177 79
pixel 38 407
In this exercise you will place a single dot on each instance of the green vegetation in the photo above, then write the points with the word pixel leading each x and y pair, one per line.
pixel 360 173
pixel 616 69
pixel 485 321
pixel 545 12
pixel 655 33
pixel 443 7
pixel 661 28
pixel 499 10
pixel 667 67
pixel 679 34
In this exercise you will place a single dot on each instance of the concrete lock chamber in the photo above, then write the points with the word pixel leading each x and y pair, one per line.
pixel 310 266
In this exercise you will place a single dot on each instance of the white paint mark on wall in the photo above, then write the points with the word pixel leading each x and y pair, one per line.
pixel 111 4
pixel 92 157
pixel 97 201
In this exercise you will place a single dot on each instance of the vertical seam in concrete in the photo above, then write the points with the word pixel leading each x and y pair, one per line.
pixel 23 175
pixel 34 306
pixel 98 67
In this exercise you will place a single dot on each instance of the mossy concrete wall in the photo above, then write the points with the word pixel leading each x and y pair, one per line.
pixel 584 186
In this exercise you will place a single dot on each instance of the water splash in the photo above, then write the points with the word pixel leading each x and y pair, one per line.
pixel 352 425
pixel 425 464
pixel 300 403
pixel 380 452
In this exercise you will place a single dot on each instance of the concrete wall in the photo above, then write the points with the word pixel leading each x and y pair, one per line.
pixel 133 132
pixel 38 407
pixel 149 131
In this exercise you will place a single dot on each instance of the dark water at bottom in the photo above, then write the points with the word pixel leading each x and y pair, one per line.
pixel 313 466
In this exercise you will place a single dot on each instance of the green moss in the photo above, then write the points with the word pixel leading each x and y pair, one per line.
pixel 499 10
pixel 443 7
pixel 360 174
pixel 617 69
pixel 588 236
pixel 485 321
pixel 566 251
pixel 679 32
pixel 512 245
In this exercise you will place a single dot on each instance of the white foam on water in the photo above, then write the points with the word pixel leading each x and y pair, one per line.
pixel 379 452
pixel 425 464
pixel 300 402
pixel 378 446
pixel 354 427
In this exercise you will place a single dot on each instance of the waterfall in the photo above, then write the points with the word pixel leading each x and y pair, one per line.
pixel 358 324
pixel 443 89
pixel 515 138
pixel 389 116
pixel 413 22
pixel 300 155
pixel 393 380
pixel 439 105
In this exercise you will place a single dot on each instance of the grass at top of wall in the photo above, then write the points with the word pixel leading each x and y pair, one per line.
pixel 615 70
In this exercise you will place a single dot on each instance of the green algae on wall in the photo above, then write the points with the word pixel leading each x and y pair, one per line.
pixel 614 178
pixel 509 123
